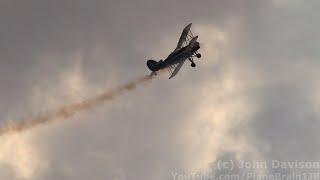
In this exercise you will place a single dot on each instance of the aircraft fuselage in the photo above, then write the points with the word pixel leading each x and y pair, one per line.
pixel 175 57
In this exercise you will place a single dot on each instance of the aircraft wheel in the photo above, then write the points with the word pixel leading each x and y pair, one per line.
pixel 198 55
pixel 193 65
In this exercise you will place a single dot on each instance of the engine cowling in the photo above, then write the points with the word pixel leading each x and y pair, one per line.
pixel 153 65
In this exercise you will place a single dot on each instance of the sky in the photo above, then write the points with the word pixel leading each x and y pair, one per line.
pixel 252 97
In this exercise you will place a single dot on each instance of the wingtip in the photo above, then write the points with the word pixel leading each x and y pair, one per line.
pixel 188 26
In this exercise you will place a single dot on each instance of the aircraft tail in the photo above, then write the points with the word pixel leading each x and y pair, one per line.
pixel 153 65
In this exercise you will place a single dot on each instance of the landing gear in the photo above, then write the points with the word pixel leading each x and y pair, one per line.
pixel 192 63
pixel 198 55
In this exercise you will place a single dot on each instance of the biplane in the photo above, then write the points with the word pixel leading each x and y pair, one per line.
pixel 187 48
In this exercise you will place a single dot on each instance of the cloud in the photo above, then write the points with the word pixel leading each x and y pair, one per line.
pixel 253 95
pixel 20 154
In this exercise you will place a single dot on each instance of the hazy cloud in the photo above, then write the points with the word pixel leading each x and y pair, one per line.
pixel 253 95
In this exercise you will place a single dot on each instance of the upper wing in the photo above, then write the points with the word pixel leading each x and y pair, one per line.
pixel 183 36
pixel 176 70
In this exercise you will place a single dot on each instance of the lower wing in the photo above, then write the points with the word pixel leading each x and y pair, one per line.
pixel 177 69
